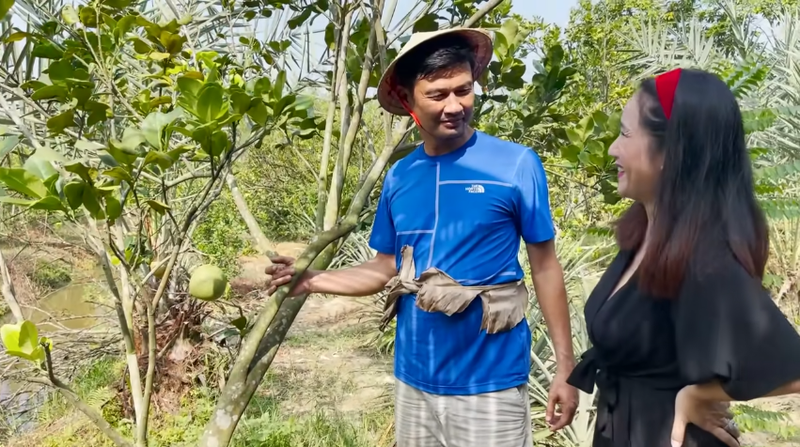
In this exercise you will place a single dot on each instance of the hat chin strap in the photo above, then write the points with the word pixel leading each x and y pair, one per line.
pixel 398 94
pixel 413 115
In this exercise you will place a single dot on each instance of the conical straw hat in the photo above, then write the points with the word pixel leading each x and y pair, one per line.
pixel 480 40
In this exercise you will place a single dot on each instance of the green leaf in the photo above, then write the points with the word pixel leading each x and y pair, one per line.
pixel 280 82
pixel 16 201
pixel 158 56
pixel 119 173
pixel 70 15
pixel 5 6
pixel 22 340
pixel 40 163
pixel 157 206
pixel 500 46
pixel 88 174
pixel 240 323
pixel 113 208
pixel 50 92
pixel 303 102
pixel 329 35
pixel 120 155
pixel 210 104
pixel 574 137
pixel 88 16
pixel 189 86
pixel 23 182
pixel 16 37
pixel 426 23
pixel 155 123
pixel 570 153
pixel 283 104
pixel 762 119
pixel 53 185
pixel 140 46
pixel 600 118
pixel 47 50
pixel 778 172
pixel 74 193
pixel 163 160
pixel 300 18
pixel 58 123
pixel 49 203
pixel 105 189
pixel 595 148
pixel 240 102
pixel 258 111
pixel 33 85
pixel 219 143
pixel 91 203
pixel 132 137
pixel 7 144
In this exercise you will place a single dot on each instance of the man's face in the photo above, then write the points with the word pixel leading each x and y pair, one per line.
pixel 444 103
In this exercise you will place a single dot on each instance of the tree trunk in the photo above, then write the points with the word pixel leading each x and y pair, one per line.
pixel 263 245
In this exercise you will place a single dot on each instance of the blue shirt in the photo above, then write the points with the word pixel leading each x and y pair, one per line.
pixel 464 213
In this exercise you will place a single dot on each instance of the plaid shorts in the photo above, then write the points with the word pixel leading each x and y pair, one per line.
pixel 497 419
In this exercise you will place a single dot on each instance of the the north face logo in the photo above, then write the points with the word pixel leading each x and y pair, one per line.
pixel 476 189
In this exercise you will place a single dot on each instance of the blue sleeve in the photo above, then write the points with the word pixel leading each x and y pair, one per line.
pixel 532 205
pixel 383 236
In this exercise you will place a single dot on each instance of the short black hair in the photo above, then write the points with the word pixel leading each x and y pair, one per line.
pixel 432 57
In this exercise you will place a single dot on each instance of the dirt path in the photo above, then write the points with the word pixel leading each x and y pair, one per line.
pixel 324 363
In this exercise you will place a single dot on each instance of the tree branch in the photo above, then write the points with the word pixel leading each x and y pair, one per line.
pixel 76 402
pixel 339 172
pixel 338 78
pixel 481 13
pixel 8 291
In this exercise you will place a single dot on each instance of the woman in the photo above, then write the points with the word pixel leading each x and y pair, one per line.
pixel 679 321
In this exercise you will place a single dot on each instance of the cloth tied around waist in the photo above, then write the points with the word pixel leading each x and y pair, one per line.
pixel 504 305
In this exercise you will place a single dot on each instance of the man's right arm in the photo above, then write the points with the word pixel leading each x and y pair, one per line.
pixel 370 277
pixel 365 279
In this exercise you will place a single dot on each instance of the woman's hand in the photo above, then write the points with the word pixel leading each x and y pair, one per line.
pixel 712 416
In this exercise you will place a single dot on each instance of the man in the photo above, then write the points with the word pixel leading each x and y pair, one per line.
pixel 456 208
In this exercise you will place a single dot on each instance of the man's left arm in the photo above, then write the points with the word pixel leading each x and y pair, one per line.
pixel 536 228
pixel 548 282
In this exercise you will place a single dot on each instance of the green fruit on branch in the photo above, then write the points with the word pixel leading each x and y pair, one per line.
pixel 158 270
pixel 208 283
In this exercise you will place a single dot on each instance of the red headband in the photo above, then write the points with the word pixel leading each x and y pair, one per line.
pixel 666 84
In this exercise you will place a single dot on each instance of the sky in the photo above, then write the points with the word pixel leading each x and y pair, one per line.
pixel 553 11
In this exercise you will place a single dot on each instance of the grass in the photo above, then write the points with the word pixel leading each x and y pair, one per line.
pixel 297 405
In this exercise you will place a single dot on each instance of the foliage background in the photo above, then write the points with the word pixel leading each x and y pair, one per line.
pixel 565 105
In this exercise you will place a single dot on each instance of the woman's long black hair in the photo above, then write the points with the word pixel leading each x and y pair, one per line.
pixel 706 200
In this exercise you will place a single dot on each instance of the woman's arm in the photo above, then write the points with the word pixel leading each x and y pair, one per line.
pixel 713 391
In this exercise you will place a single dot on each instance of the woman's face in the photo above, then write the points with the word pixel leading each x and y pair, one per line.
pixel 639 166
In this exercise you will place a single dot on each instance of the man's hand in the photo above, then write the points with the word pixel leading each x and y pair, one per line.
pixel 561 403
pixel 282 271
